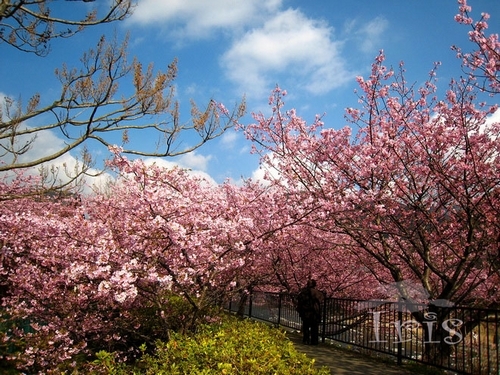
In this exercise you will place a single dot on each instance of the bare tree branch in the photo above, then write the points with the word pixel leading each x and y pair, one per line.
pixel 30 25
pixel 90 108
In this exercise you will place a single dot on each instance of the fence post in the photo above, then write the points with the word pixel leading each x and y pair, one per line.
pixel 250 304
pixel 400 342
pixel 323 328
pixel 279 308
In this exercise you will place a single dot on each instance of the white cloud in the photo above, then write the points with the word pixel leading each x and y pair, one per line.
pixel 43 144
pixel 195 163
pixel 369 36
pixel 229 139
pixel 46 142
pixel 267 171
pixel 287 43
pixel 193 160
pixel 197 18
pixel 259 176
pixel 60 170
pixel 494 118
pixel 491 125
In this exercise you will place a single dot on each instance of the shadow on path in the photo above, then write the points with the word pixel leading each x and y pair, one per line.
pixel 344 362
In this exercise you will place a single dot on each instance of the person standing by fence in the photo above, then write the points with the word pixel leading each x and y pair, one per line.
pixel 309 305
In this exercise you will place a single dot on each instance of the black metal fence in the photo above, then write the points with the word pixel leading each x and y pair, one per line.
pixel 460 339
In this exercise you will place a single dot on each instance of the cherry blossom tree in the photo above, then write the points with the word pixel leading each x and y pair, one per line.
pixel 297 250
pixel 481 64
pixel 120 270
pixel 416 188
pixel 414 192
pixel 154 253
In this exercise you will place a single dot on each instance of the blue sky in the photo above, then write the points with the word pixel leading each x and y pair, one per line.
pixel 226 49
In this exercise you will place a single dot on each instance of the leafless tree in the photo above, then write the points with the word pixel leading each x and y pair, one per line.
pixel 30 25
pixel 95 100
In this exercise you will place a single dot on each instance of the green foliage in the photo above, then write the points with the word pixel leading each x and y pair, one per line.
pixel 231 347
pixel 149 321
pixel 10 348
pixel 168 311
pixel 182 316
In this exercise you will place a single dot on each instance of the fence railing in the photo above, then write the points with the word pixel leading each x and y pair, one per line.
pixel 461 339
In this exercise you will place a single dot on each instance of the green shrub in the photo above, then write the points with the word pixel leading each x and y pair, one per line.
pixel 231 347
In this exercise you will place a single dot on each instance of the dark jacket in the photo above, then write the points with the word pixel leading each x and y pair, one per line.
pixel 309 304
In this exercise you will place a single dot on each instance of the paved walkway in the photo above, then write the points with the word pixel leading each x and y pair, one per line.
pixel 343 362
